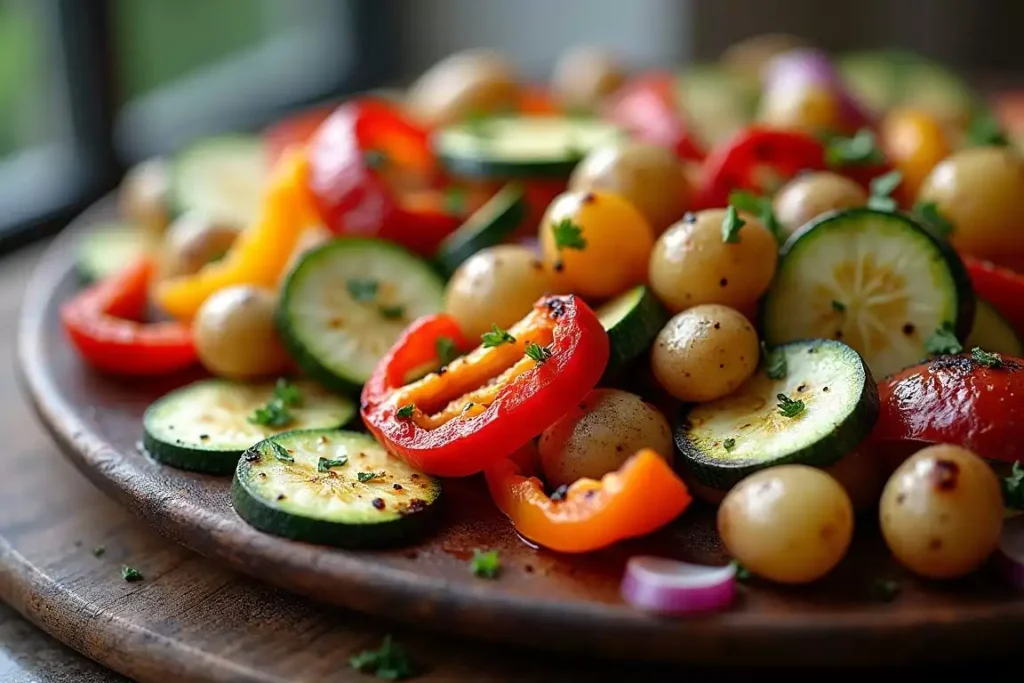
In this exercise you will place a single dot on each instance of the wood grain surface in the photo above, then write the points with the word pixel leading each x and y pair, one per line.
pixel 542 599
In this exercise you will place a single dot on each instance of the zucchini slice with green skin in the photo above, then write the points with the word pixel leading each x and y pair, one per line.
pixel 489 226
pixel 333 488
pixel 521 146
pixel 345 303
pixel 992 332
pixel 840 408
pixel 875 280
pixel 107 248
pixel 205 427
pixel 220 177
pixel 633 319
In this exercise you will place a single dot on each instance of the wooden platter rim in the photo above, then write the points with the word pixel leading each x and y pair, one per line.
pixel 463 608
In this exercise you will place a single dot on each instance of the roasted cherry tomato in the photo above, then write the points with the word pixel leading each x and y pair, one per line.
pixel 962 400
pixel 644 494
pixel 486 404
pixel 296 130
pixel 102 323
pixel 536 100
pixel 758 160
pixel 647 108
pixel 914 142
pixel 1001 287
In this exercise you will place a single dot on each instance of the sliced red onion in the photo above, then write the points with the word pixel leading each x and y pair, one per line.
pixel 664 586
pixel 794 70
pixel 1011 550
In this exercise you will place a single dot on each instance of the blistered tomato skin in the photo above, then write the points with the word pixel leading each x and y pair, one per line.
pixel 942 512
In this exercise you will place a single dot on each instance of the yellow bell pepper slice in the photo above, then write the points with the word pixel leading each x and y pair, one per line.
pixel 261 252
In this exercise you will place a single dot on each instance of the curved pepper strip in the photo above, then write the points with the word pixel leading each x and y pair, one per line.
pixel 643 495
pixel 999 286
pixel 102 325
pixel 485 405
pixel 261 252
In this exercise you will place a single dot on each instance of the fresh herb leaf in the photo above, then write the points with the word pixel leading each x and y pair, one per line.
pixel 287 393
pixel 731 225
pixel 478 124
pixel 742 573
pixel 885 590
pixel 882 204
pixel 99 551
pixel 1013 488
pixel 446 350
pixel 391 312
pixel 943 341
pixel 838 306
pixel 496 337
pixel 761 207
pixel 788 407
pixel 131 574
pixel 375 158
pixel 537 352
pixel 274 414
pixel 989 360
pixel 985 131
pixel 455 200
pixel 389 662
pixel 406 411
pixel 280 452
pixel 883 186
pixel 859 150
pixel 485 564
pixel 568 235
pixel 775 363
pixel 364 477
pixel 729 444
pixel 325 464
pixel 928 213
pixel 362 290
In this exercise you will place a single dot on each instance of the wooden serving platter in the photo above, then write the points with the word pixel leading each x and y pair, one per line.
pixel 541 599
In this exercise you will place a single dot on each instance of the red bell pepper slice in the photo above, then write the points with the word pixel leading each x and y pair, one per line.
pixel 485 405
pixel 102 324
pixel 369 170
pixel 643 495
pixel 956 400
pixel 759 160
pixel 648 108
pixel 999 286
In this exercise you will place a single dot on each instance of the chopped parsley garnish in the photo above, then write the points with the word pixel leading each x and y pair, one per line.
pixel 485 564
pixel 406 411
pixel 391 312
pixel 788 407
pixel 446 350
pixel 280 453
pixel 130 574
pixel 537 352
pixel 838 306
pixel 881 189
pixel 99 551
pixel 275 413
pixel 455 200
pixel 729 444
pixel 362 290
pixel 760 207
pixel 496 337
pixel 731 225
pixel 364 477
pixel 375 158
pixel 943 341
pixel 928 213
pixel 1013 488
pixel 325 464
pixel 742 573
pixel 389 662
pixel 985 131
pixel 478 124
pixel 860 150
pixel 775 365
pixel 568 235
pixel 885 590
pixel 989 360
pixel 287 393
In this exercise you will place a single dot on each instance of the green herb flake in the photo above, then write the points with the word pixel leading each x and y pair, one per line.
pixel 742 573
pixel 287 393
pixel 761 207
pixel 391 312
pixel 280 453
pixel 859 150
pixel 406 411
pixel 985 131
pixel 731 225
pixel 496 337
pixel 989 360
pixel 788 407
pixel 1013 488
pixel 375 158
pixel 881 189
pixel 364 477
pixel 362 290
pixel 775 364
pixel 130 574
pixel 537 352
pixel 568 235
pixel 885 590
pixel 446 350
pixel 455 201
pixel 928 213
pixel 479 124
pixel 274 414
pixel 325 464
pixel 485 564
pixel 838 306
pixel 389 662
pixel 99 551
pixel 943 341
pixel 729 444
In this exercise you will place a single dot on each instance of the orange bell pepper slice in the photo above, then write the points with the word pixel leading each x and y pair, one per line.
pixel 643 495
pixel 262 251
